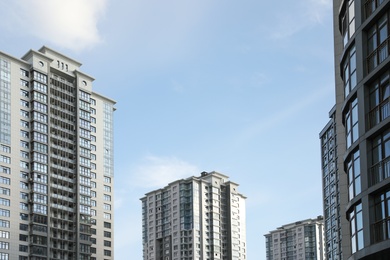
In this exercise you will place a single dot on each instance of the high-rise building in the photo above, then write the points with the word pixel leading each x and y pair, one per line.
pixel 56 160
pixel 198 218
pixel 301 240
pixel 361 128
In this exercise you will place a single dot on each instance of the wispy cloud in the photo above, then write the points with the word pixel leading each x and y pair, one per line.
pixel 306 14
pixel 268 123
pixel 157 172
pixel 70 24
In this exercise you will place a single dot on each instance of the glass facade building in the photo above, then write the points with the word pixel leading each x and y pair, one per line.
pixel 361 127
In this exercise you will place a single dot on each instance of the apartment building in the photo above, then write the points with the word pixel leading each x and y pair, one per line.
pixel 301 240
pixel 361 126
pixel 198 218
pixel 56 160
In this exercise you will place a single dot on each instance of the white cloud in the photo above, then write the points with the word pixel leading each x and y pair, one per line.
pixel 68 24
pixel 157 172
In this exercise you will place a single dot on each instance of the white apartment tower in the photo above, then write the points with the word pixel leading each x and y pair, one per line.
pixel 301 240
pixel 56 160
pixel 198 218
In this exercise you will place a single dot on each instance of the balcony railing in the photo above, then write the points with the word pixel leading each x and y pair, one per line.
pixel 379 113
pixel 378 55
pixel 381 230
pixel 380 171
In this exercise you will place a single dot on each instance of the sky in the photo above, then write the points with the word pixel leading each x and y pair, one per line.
pixel 238 87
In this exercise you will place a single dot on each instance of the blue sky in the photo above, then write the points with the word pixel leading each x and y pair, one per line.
pixel 239 87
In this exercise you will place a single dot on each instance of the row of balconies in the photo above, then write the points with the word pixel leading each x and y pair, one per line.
pixel 62 100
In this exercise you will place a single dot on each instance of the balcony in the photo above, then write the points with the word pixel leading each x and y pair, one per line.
pixel 379 113
pixel 381 230
pixel 378 55
pixel 379 171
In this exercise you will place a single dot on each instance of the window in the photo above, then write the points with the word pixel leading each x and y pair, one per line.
pixel 348 21
pixel 23 248
pixel 371 6
pixel 24 73
pixel 23 134
pixel 5 170
pixel 349 71
pixel 4 245
pixel 107 224
pixel 379 100
pixel 353 169
pixel 40 137
pixel 23 206
pixel 4 223
pixel 24 93
pixel 23 216
pixel 4 234
pixel 107 252
pixel 24 154
pixel 24 103
pixel 5 148
pixel 351 123
pixel 23 185
pixel 107 206
pixel 23 237
pixel 23 227
pixel 381 226
pixel 40 77
pixel 107 234
pixel 40 87
pixel 24 113
pixel 24 165
pixel 356 225
pixel 107 215
pixel 4 212
pixel 380 158
pixel 4 202
pixel 24 144
pixel 107 188
pixel 5 191
pixel 5 180
pixel 107 179
pixel 107 243
pixel 24 83
pixel 107 197
pixel 24 124
pixel 5 159
pixel 39 107
pixel 40 117
pixel 377 43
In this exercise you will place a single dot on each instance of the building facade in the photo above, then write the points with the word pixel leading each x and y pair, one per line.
pixel 199 218
pixel 56 160
pixel 361 127
pixel 302 240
